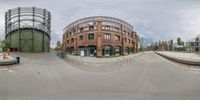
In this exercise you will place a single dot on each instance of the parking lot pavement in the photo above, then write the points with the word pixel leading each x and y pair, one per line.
pixel 47 77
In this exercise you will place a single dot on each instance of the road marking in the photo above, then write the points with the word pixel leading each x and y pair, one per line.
pixel 3 69
pixel 196 72
pixel 7 69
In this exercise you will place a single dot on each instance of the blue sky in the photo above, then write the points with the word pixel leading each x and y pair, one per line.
pixel 154 19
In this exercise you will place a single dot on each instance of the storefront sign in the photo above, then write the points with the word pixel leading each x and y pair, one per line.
pixel 82 53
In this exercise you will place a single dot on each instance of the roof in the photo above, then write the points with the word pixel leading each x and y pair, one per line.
pixel 96 18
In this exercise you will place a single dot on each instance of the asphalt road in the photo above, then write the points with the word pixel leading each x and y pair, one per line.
pixel 147 77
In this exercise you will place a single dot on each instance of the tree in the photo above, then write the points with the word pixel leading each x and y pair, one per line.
pixel 155 47
pixel 170 44
pixel 5 44
pixel 197 41
pixel 182 42
pixel 58 46
pixel 179 41
pixel 166 45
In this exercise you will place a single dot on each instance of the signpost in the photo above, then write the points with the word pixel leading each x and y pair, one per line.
pixel 82 53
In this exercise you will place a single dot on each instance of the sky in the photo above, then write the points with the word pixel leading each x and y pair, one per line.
pixel 153 19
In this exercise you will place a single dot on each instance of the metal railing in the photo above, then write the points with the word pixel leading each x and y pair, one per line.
pixel 93 61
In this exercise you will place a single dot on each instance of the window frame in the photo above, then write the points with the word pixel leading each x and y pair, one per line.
pixel 107 36
pixel 72 39
pixel 117 37
pixel 89 36
pixel 80 37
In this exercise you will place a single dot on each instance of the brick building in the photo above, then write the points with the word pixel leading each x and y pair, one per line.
pixel 161 46
pixel 99 36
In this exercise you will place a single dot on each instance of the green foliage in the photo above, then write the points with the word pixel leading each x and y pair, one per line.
pixel 197 39
pixel 4 44
pixel 179 41
pixel 153 46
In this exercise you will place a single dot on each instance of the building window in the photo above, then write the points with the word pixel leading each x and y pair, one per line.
pixel 81 29
pixel 128 34
pixel 86 28
pixel 111 28
pixel 70 34
pixel 67 41
pixel 91 27
pixel 81 37
pixel 72 40
pixel 67 35
pixel 116 29
pixel 74 31
pixel 129 41
pixel 106 27
pixel 192 43
pixel 124 31
pixel 107 36
pixel 95 27
pixel 117 37
pixel 91 36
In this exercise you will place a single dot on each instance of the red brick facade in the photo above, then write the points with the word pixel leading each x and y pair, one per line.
pixel 99 36
pixel 161 46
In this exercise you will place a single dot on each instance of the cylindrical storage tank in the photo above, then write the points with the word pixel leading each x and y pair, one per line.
pixel 28 29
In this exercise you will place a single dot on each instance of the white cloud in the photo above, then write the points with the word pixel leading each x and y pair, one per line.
pixel 155 19
pixel 190 22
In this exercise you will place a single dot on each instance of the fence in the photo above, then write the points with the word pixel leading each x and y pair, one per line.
pixel 93 61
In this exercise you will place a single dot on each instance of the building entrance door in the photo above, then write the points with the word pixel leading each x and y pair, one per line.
pixel 117 50
pixel 107 50
pixel 107 53
pixel 91 51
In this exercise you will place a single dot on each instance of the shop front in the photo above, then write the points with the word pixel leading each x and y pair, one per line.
pixel 107 50
pixel 117 50
pixel 91 50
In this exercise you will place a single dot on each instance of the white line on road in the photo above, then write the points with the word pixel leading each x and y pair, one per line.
pixel 196 72
pixel 6 69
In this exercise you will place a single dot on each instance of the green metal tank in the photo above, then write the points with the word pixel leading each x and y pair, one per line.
pixel 28 29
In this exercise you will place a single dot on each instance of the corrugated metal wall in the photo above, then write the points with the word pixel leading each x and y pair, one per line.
pixel 40 44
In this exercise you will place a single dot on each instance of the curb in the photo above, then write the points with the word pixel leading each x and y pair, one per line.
pixel 117 59
pixel 8 62
pixel 179 60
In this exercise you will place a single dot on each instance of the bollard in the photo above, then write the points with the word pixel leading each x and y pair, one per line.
pixel 18 59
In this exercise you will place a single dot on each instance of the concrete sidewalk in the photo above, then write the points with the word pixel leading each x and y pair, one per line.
pixel 94 64
pixel 102 60
pixel 181 57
